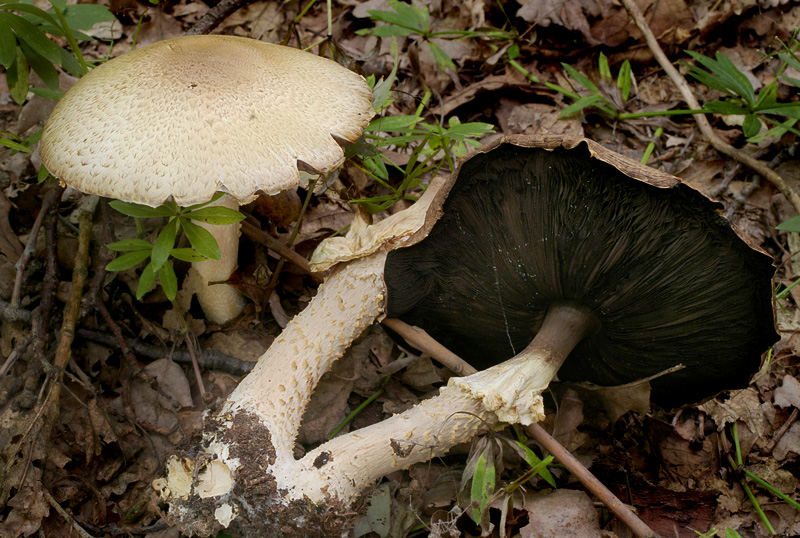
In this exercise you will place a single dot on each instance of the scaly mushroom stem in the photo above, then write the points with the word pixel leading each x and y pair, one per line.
pixel 513 389
pixel 220 302
pixel 246 473
pixel 456 415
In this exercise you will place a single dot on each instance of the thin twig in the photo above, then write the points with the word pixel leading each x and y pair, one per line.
pixel 50 203
pixel 273 281
pixel 210 360
pixel 705 127
pixel 275 245
pixel 63 513
pixel 781 431
pixel 422 341
pixel 215 16
pixel 73 308
pixel 195 363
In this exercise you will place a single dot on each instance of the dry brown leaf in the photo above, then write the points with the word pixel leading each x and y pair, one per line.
pixel 567 420
pixel 743 405
pixel 28 508
pixel 171 380
pixel 10 245
pixel 328 405
pixel 239 344
pixel 154 411
pixel 789 443
pixel 422 375
pixel 788 394
pixel 538 118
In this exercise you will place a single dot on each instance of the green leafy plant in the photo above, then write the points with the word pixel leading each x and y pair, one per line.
pixel 741 99
pixel 25 43
pixel 159 252
pixel 609 95
pixel 484 491
pixel 413 20
pixel 736 463
pixel 432 145
pixel 606 96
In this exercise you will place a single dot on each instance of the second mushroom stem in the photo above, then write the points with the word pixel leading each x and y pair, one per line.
pixel 564 327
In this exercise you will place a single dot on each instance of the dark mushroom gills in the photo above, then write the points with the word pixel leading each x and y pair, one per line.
pixel 563 247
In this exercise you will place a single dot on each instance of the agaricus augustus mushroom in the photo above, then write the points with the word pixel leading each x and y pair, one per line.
pixel 245 474
pixel 184 118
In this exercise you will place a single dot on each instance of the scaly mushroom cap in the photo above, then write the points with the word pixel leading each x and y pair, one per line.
pixel 186 117
pixel 665 275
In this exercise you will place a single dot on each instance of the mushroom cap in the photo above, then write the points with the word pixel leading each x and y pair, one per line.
pixel 668 279
pixel 186 117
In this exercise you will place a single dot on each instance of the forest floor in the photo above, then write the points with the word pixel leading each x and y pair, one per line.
pixel 128 396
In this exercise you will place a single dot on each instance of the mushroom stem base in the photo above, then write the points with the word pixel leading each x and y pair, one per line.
pixel 512 389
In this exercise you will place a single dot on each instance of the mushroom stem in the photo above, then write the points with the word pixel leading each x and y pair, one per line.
pixel 221 302
pixel 513 389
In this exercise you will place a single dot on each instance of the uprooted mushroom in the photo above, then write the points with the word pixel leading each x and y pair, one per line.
pixel 590 257
pixel 184 118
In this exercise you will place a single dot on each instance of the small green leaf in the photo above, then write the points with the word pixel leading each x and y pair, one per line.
pixel 625 80
pixel 130 244
pixel 584 102
pixel 380 92
pixel 44 68
pixel 444 61
pixel 8 44
pixel 751 125
pixel 482 488
pixel 386 31
pixel 725 108
pixel 201 239
pixel 790 225
pixel 533 460
pixel 142 211
pixel 126 261
pixel 42 175
pixel 7 142
pixel 404 16
pixel 163 245
pixel 792 111
pixel 84 16
pixel 603 67
pixel 791 80
pixel 169 282
pixel 17 77
pixel 47 93
pixel 146 280
pixel 392 124
pixel 187 254
pixel 215 215
pixel 580 78
pixel 72 65
pixel 737 80
pixel 33 36
pixel 31 10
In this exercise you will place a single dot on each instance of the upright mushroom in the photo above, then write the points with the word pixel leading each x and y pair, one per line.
pixel 184 118
pixel 245 474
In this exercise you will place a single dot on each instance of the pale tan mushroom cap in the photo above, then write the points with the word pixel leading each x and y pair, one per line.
pixel 186 117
